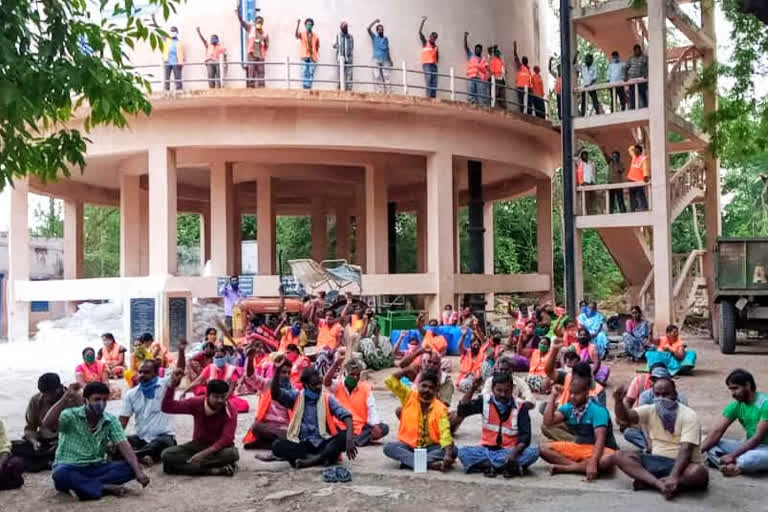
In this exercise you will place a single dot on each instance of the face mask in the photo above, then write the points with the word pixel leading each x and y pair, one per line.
pixel 96 408
pixel 291 356
pixel 235 285
pixel 543 348
pixel 350 382
pixel 214 40
pixel 174 35
pixel 311 395
pixel 583 340
pixel 430 328
pixel 89 358
pixel 295 330
pixel 285 383
pixel 219 362
pixel 309 27
pixel 503 407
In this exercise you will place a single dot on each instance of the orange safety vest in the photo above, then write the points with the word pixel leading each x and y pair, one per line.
pixel 288 339
pixel 213 373
pixel 471 365
pixel 328 336
pixel 179 50
pixel 559 85
pixel 111 356
pixel 580 172
pixel 306 51
pixel 477 67
pixel 493 426
pixel 93 373
pixel 429 53
pixel 636 171
pixel 523 76
pixel 436 343
pixel 594 392
pixel 253 39
pixel 538 85
pixel 265 400
pixel 356 403
pixel 357 323
pixel 497 67
pixel 214 52
pixel 410 420
pixel 538 364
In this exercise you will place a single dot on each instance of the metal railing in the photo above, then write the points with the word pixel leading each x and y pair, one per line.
pixel 295 74
pixel 607 95
pixel 596 199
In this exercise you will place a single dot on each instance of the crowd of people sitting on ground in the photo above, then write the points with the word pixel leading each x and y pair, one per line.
pixel 315 403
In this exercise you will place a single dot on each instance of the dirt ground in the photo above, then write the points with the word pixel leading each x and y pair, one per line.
pixel 377 483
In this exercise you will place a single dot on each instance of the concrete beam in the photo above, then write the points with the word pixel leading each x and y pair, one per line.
pixel 76 191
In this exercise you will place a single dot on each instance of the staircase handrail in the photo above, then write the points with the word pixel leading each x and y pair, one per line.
pixel 690 270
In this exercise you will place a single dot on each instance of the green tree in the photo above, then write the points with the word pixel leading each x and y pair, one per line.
pixel 49 220
pixel 59 57
pixel 101 244
pixel 188 229
pixel 294 238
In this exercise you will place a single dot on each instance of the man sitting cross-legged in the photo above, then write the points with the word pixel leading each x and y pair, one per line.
pixel 212 450
pixel 81 456
pixel 506 434
pixel 674 463
pixel 424 423
pixel 593 447
pixel 313 437
pixel 154 430
pixel 731 456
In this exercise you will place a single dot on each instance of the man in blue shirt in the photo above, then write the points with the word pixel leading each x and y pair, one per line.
pixel 313 435
pixel 382 61
pixel 232 294
pixel 617 72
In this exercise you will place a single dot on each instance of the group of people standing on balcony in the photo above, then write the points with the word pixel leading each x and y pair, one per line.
pixel 639 172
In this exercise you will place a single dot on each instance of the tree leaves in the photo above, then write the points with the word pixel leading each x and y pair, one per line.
pixel 55 59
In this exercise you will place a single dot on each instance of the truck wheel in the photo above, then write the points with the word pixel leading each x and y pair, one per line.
pixel 727 334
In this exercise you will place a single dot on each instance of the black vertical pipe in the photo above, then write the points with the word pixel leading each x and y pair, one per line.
pixel 476 228
pixel 392 236
pixel 566 128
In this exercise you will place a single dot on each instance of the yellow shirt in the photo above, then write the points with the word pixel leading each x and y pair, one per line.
pixel 687 430
pixel 401 391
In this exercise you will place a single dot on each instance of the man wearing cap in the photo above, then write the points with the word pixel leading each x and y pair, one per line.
pixel 38 445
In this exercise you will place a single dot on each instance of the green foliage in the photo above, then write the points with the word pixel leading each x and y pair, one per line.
pixel 294 238
pixel 101 241
pixel 405 227
pixel 49 220
pixel 188 229
pixel 248 227
pixel 55 60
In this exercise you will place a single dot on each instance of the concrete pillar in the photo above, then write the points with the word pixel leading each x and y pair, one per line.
pixel 205 235
pixel 18 259
pixel 73 239
pixel 421 234
pixel 265 225
pixel 545 255
pixel 376 220
pixel 440 231
pixel 319 230
pixel 221 222
pixel 342 231
pixel 662 243
pixel 144 232
pixel 130 226
pixel 455 225
pixel 162 211
pixel 489 249
pixel 236 253
pixel 361 238
pixel 712 218
pixel 578 264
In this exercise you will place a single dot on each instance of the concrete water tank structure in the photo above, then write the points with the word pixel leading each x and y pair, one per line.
pixel 280 150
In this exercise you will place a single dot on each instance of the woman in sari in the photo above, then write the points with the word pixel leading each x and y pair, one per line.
pixel 91 370
pixel 592 320
pixel 637 335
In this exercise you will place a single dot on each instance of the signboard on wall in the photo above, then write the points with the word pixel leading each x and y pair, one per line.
pixel 142 317
pixel 246 285
pixel 248 11
pixel 177 320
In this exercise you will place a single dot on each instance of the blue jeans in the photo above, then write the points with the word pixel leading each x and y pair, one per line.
pixel 476 91
pixel 753 461
pixel 309 72
pixel 471 456
pixel 430 79
pixel 88 481
pixel 636 436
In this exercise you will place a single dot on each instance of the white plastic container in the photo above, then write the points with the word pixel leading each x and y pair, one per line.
pixel 420 460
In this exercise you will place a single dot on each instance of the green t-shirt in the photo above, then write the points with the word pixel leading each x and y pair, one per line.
pixel 80 446
pixel 749 415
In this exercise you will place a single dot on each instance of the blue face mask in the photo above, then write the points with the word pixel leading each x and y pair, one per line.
pixel 295 330
pixel 311 395
pixel 430 328
pixel 96 408
pixel 219 362
pixel 503 407
pixel 230 359
pixel 148 388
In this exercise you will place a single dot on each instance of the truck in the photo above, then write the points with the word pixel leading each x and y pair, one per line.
pixel 741 288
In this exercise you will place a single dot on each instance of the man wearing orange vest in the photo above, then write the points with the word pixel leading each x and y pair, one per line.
pixel 214 53
pixel 431 337
pixel 471 361
pixel 313 437
pixel 505 442
pixel 424 423
pixel 310 46
pixel 477 73
pixel 173 59
pixel 271 420
pixel 523 82
pixel 537 82
pixel 256 49
pixel 357 398
pixel 639 172
pixel 430 55
pixel 498 70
